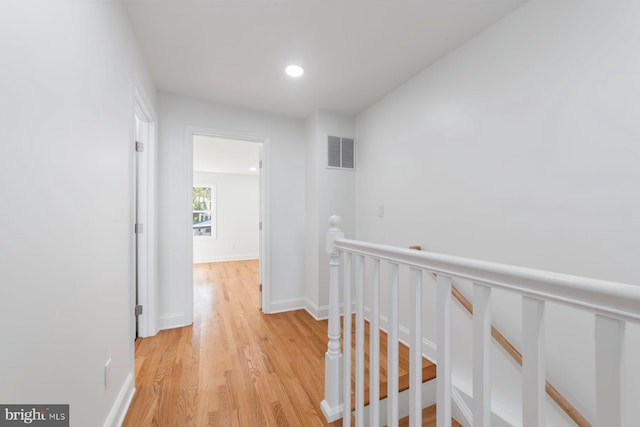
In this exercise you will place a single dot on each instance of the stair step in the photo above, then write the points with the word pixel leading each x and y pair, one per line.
pixel 428 368
pixel 428 419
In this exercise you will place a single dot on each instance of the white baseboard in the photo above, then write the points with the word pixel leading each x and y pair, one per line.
pixel 312 309
pixel 121 405
pixel 290 304
pixel 330 414
pixel 322 312
pixel 174 320
pixel 318 313
pixel 223 258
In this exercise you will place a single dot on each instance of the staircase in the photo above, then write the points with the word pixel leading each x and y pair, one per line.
pixel 611 304
pixel 428 381
pixel 428 418
pixel 428 368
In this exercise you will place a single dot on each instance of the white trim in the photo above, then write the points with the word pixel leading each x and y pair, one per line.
pixel 290 304
pixel 223 258
pixel 174 320
pixel 148 293
pixel 616 300
pixel 462 399
pixel 322 312
pixel 330 414
pixel 460 409
pixel 227 173
pixel 118 411
pixel 265 217
pixel 318 313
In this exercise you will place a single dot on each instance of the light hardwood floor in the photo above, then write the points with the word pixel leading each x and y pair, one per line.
pixel 235 366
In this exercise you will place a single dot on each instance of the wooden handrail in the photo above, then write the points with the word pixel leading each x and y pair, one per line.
pixel 560 400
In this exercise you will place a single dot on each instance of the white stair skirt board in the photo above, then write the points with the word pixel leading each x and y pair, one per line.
pixel 462 413
pixel 428 399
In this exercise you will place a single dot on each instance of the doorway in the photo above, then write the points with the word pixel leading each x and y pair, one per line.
pixel 228 203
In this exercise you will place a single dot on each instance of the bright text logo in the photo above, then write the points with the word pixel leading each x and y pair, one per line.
pixel 36 415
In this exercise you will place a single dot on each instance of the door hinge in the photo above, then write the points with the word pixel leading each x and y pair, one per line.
pixel 260 226
pixel 138 228
pixel 139 147
pixel 260 287
pixel 260 164
pixel 138 310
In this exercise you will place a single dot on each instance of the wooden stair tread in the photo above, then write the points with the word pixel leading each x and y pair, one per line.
pixel 428 419
pixel 428 368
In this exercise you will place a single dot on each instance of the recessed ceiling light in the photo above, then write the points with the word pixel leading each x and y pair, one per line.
pixel 294 70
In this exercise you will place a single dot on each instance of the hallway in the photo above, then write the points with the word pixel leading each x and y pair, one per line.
pixel 235 366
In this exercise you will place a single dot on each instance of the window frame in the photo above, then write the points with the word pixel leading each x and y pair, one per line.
pixel 213 212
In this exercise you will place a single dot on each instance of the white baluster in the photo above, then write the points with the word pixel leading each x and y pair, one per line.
pixel 443 368
pixel 359 268
pixel 415 358
pixel 392 349
pixel 609 345
pixel 533 363
pixel 346 419
pixel 481 356
pixel 374 352
pixel 331 405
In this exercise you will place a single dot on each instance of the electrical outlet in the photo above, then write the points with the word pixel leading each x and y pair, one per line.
pixel 381 211
pixel 107 373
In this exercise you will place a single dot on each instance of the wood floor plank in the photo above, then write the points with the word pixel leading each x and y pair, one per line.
pixel 235 366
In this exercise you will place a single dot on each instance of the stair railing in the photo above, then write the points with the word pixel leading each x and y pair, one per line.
pixel 612 304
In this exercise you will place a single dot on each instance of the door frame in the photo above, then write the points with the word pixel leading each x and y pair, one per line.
pixel 191 131
pixel 145 201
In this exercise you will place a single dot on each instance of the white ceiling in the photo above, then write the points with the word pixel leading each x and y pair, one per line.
pixel 353 51
pixel 222 155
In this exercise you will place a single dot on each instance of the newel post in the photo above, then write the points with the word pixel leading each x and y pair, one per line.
pixel 332 403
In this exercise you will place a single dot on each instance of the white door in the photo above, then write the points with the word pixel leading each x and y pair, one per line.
pixel 141 165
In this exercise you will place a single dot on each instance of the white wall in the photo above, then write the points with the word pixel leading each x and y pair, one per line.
pixel 328 192
pixel 284 161
pixel 520 147
pixel 237 217
pixel 67 75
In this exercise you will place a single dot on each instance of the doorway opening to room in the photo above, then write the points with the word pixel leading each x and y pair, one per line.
pixel 227 208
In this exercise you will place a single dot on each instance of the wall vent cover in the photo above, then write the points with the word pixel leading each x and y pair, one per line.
pixel 341 153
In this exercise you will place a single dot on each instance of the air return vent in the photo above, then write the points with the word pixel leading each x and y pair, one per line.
pixel 341 152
